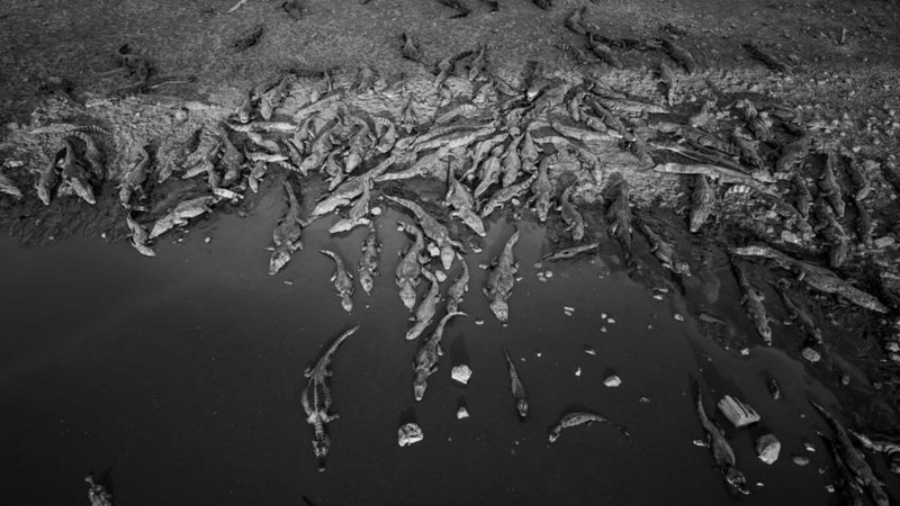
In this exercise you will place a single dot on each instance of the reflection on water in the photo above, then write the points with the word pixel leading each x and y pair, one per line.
pixel 181 377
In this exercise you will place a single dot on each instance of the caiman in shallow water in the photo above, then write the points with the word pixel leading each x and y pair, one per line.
pixel 287 233
pixel 433 229
pixel 343 281
pixel 48 178
pixel 427 308
pixel 619 217
pixel 427 357
pixel 796 312
pixel 459 288
pixel 753 302
pixel 723 455
pixel 75 175
pixel 580 418
pixel 516 386
pixel 702 200
pixel 181 213
pixel 368 261
pixel 662 249
pixel 829 186
pixel 410 266
pixel 541 189
pixel 570 215
pixel 826 281
pixel 463 203
pixel 567 253
pixel 317 400
pixel 854 459
pixel 500 280
pixel 139 237
pixel 357 216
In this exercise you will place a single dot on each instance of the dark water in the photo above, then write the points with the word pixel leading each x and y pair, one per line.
pixel 181 376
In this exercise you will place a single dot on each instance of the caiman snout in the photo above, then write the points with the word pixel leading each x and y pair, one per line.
pixel 279 259
pixel 321 446
pixel 737 480
pixel 500 309
pixel 522 407
pixel 419 389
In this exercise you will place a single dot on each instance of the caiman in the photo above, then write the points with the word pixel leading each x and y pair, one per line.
pixel 463 203
pixel 287 234
pixel 410 266
pixel 317 400
pixel 826 281
pixel 368 261
pixel 840 241
pixel 890 448
pixel 433 229
pixel 98 495
pixel 511 163
pixel 702 200
pixel 134 178
pixel 8 187
pixel 865 226
pixel 570 215
pixel 343 281
pixel 500 280
pixel 350 189
pixel 356 217
pixel 427 357
pixel 458 289
pixel 859 179
pixel 541 189
pixel 663 250
pixel 92 155
pixel 793 153
pixel 749 148
pixel 854 459
pixel 516 386
pixel 581 418
pixel 427 308
pixel 680 55
pixel 723 455
pixel 603 52
pixel 829 186
pixel 490 172
pixel 803 197
pixel 75 175
pixel 567 253
pixel 619 217
pixel 797 313
pixel 753 302
pixel 181 213
pixel 139 237
pixel 504 195
pixel 669 78
pixel 763 251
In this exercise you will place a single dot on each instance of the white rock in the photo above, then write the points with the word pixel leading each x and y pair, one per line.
pixel 884 242
pixel 612 381
pixel 462 413
pixel 376 211
pixel 461 373
pixel 768 448
pixel 678 317
pixel 568 309
pixel 737 412
pixel 578 373
pixel 440 276
pixel 801 460
pixel 409 434
pixel 433 250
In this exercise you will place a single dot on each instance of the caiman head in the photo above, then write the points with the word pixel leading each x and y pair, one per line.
pixel 347 303
pixel 522 407
pixel 321 445
pixel 736 480
pixel 408 296
pixel 367 283
pixel 280 257
pixel 447 256
pixel 419 386
pixel 43 194
pixel 500 309
pixel 681 268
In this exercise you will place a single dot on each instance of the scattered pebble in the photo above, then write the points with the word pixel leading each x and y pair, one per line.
pixel 440 276
pixel 103 235
pixel 578 373
pixel 548 274
pixel 829 489
pixel 811 354
pixel 800 460
pixel 433 250
pixel 590 350
pixel 809 447
pixel 768 448
pixel 479 322
pixel 538 355
pixel 611 320
pixel 207 240
pixel 612 381
pixel 760 484
pixel 376 211
pixel 462 413
pixel 602 329
pixel 701 443
pixel 288 282
pixel 461 373
pixel 658 297
pixel 568 310
pixel 745 351
pixel 644 400
pixel 678 317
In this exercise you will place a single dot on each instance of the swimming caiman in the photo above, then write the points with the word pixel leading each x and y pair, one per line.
pixel 317 400
pixel 343 281
pixel 410 266
pixel 287 233
pixel 433 229
pixel 368 261
pixel 500 280
pixel 427 308
pixel 427 357
pixel 516 386
pixel 581 418
pixel 723 455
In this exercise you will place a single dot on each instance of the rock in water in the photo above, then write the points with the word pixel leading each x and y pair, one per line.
pixel 767 448
pixel 409 434
pixel 737 412
pixel 811 354
pixel 461 373
pixel 462 413
pixel 612 381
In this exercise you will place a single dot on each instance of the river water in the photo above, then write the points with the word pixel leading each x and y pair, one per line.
pixel 178 379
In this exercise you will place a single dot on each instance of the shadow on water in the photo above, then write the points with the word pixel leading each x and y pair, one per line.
pixel 183 374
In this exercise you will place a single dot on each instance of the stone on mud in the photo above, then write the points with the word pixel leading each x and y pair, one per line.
pixel 612 381
pixel 801 460
pixel 768 448
pixel 738 413
pixel 409 434
pixel 462 413
pixel 461 373
pixel 811 354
